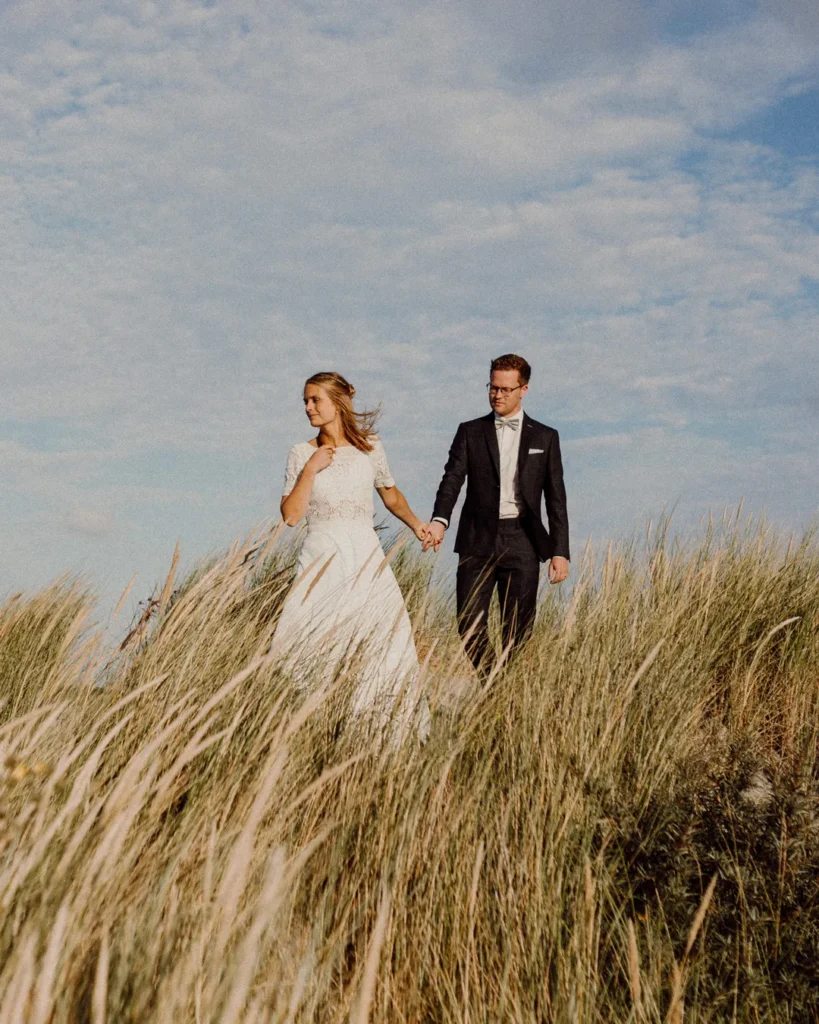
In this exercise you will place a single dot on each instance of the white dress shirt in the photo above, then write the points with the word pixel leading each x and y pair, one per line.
pixel 509 445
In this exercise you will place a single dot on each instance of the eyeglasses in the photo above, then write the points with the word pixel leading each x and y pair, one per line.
pixel 501 391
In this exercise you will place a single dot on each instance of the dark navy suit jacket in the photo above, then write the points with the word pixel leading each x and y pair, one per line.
pixel 475 457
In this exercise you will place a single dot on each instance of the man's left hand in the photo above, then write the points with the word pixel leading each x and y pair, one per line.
pixel 558 569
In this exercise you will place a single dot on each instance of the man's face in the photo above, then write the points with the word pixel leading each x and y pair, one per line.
pixel 506 402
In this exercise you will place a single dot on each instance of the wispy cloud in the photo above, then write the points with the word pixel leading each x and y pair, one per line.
pixel 203 203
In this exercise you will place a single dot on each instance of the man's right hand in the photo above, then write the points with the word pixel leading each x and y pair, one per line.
pixel 435 534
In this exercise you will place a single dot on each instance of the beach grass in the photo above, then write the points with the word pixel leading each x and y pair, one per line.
pixel 620 825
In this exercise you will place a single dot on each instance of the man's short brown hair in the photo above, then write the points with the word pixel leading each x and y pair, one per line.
pixel 513 362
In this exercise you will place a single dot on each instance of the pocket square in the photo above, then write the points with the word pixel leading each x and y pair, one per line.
pixel 535 451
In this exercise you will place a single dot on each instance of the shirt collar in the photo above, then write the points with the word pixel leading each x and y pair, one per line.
pixel 510 419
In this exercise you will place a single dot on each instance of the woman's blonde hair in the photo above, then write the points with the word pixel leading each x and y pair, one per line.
pixel 358 426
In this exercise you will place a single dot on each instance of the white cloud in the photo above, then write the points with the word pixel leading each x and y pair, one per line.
pixel 204 203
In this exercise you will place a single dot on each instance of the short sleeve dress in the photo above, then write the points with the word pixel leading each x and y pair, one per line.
pixel 345 612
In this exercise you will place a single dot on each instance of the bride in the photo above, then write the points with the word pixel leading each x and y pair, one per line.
pixel 345 610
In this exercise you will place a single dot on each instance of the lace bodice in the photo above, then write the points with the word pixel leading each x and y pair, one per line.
pixel 345 489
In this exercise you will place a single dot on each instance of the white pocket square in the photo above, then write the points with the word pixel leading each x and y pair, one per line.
pixel 535 451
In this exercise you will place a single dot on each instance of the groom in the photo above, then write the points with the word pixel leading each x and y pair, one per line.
pixel 509 461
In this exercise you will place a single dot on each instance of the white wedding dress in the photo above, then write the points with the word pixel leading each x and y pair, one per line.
pixel 345 611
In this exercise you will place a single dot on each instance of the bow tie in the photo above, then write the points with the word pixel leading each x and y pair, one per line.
pixel 512 424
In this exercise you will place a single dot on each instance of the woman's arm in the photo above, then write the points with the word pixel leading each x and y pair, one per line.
pixel 396 503
pixel 294 504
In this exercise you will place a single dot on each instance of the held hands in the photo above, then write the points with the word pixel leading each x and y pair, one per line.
pixel 434 536
pixel 558 569
pixel 425 533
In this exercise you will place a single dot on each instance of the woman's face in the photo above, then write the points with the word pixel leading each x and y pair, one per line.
pixel 318 405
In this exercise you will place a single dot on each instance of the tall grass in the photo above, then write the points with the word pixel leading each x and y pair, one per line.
pixel 620 826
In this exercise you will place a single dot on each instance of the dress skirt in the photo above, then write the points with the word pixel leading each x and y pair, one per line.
pixel 345 614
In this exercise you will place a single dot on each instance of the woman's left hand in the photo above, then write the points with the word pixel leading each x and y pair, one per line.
pixel 420 531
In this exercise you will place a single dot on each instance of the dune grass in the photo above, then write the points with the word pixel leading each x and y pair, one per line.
pixel 623 825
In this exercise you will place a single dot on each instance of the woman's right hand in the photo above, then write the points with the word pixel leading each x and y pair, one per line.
pixel 321 458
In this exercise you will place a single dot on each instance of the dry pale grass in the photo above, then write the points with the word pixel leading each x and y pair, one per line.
pixel 195 840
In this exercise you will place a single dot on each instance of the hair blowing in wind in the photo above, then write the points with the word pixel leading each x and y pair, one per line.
pixel 359 427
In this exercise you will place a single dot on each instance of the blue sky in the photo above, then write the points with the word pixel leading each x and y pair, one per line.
pixel 203 203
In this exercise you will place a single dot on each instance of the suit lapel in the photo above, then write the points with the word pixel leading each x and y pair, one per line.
pixel 491 435
pixel 525 440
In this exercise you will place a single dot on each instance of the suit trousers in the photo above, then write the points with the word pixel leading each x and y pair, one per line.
pixel 514 568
